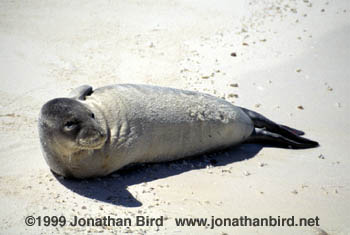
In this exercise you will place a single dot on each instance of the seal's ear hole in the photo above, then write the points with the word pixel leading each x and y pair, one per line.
pixel 92 115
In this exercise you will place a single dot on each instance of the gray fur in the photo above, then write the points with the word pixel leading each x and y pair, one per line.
pixel 133 124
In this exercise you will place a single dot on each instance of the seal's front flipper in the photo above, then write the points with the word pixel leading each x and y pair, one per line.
pixel 81 92
pixel 267 137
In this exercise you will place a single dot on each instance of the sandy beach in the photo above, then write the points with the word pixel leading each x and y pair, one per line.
pixel 286 59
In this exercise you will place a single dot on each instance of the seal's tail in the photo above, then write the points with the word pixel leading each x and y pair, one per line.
pixel 270 132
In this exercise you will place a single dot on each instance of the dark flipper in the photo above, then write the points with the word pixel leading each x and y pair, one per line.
pixel 275 133
pixel 81 92
pixel 267 137
pixel 295 131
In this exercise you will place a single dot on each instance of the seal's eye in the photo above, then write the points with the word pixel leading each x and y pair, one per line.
pixel 70 125
pixel 92 115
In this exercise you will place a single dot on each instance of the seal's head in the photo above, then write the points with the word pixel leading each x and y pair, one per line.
pixel 69 126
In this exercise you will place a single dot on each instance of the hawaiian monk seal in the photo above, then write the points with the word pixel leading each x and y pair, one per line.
pixel 96 132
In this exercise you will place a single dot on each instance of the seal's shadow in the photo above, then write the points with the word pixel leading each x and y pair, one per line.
pixel 113 189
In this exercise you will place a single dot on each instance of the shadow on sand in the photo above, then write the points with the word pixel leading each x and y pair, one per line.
pixel 113 189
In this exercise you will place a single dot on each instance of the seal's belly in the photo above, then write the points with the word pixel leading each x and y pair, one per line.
pixel 150 123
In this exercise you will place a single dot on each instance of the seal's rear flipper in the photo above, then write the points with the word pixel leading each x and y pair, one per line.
pixel 267 137
pixel 262 122
pixel 295 131
pixel 283 132
pixel 81 92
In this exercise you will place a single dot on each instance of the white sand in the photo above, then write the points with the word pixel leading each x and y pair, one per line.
pixel 289 53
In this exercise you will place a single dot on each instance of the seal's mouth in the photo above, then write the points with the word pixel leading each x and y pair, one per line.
pixel 91 139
